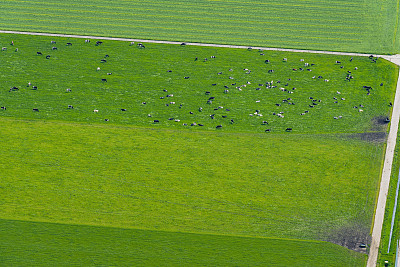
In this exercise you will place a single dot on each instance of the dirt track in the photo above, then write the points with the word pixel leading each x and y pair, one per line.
pixel 391 141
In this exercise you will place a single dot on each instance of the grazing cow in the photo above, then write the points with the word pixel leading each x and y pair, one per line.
pixel 4 49
pixel 123 109
pixel 140 45
pixel 195 59
pixel 106 119
pixel 171 119
pixel 288 129
pixel 190 112
pixel 34 87
pixel 387 120
pixel 48 56
pixel 338 62
pixel 200 124
pixel 16 50
pixel 381 84
pixel 169 70
pixel 35 109
pixel 211 98
pixel 265 122
pixel 170 95
pixel 70 107
pixel 104 80
pixel 156 121
pixel 3 108
pixel 54 48
pixel 390 104
pixel 87 41
pixel 268 130
pixel 226 91
pixel 103 61
pixel 109 73
pixel 143 103
pixel 193 124
pixel 284 59
pixel 270 71
pixel 99 42
pixel 224 116
pixel 218 126
pixel 106 56
pixel 186 77
pixel 200 109
pixel 14 88
pixel 98 68
pixel 69 44
pixel 183 44
pixel 351 59
pixel 266 61
pixel 39 53
pixel 95 110
pixel 132 43
pixel 53 42
pixel 232 121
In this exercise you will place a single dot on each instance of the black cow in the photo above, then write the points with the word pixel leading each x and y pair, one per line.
pixel 35 109
pixel 69 44
pixel 99 42
pixel 123 109
pixel 103 61
pixel 268 130
pixel 70 107
pixel 39 53
pixel 288 129
pixel 48 56
pixel 104 80
pixel 156 121
pixel 218 126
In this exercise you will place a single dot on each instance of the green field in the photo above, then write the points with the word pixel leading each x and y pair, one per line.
pixel 141 76
pixel 71 166
pixel 42 244
pixel 357 26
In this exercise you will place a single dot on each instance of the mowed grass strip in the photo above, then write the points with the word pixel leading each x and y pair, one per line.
pixel 339 25
pixel 34 243
pixel 305 186
pixel 178 85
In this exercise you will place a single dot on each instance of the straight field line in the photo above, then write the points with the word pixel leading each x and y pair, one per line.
pixel 178 43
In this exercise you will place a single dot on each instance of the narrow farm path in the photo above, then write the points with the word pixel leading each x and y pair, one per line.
pixel 391 142
pixel 196 44
pixel 387 169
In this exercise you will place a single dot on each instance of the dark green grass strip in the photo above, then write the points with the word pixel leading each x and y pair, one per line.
pixel 43 244
pixel 141 76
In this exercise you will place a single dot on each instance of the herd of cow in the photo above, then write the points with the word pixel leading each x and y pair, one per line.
pixel 282 86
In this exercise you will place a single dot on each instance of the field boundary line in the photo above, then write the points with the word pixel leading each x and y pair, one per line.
pixel 385 179
pixel 188 43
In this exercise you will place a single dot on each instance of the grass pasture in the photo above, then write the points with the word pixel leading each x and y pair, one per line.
pixel 70 166
pixel 67 245
pixel 356 26
pixel 141 76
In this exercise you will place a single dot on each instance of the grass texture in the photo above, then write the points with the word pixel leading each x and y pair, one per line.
pixel 71 166
pixel 357 26
pixel 308 101
pixel 40 244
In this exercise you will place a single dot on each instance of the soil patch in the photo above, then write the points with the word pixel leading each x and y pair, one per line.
pixel 379 123
pixel 378 137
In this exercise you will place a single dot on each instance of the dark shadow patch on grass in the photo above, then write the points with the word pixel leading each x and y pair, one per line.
pixel 354 236
pixel 379 123
pixel 378 137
